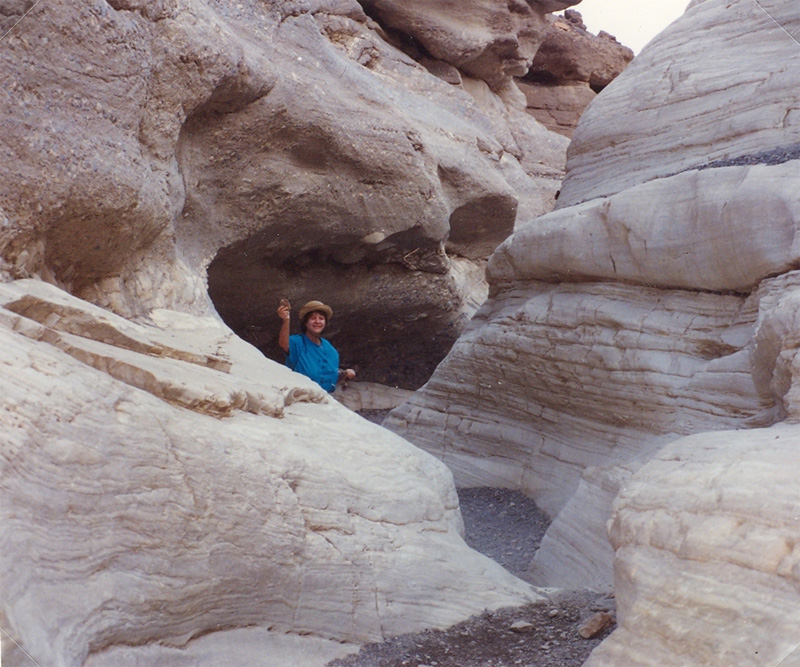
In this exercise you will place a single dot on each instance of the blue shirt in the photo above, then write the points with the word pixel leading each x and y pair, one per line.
pixel 318 362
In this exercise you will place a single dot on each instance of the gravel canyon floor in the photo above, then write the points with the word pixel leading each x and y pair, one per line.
pixel 508 527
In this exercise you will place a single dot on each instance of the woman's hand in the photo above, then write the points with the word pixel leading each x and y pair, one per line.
pixel 349 374
pixel 284 310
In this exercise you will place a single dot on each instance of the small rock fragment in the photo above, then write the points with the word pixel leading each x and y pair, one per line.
pixel 595 625
pixel 522 626
pixel 605 603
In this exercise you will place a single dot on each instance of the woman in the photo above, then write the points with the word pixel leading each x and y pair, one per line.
pixel 309 353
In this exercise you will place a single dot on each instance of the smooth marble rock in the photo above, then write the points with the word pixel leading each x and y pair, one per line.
pixel 658 300
pixel 233 648
pixel 707 563
pixel 694 230
pixel 165 489
pixel 721 82
pixel 151 496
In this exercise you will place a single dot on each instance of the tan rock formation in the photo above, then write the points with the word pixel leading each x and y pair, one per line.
pixel 570 67
pixel 487 40
pixel 656 302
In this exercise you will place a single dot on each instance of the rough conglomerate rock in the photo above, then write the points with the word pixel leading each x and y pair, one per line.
pixel 287 148
pixel 570 67
pixel 487 40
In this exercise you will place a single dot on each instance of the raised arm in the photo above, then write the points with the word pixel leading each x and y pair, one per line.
pixel 284 311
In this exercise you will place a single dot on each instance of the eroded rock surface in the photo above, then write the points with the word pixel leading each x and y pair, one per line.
pixel 658 301
pixel 289 148
pixel 489 41
pixel 161 480
pixel 560 389
pixel 151 496
pixel 571 66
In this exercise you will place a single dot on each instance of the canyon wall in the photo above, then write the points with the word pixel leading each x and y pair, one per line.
pixel 639 343
pixel 269 144
pixel 171 168
pixel 570 68
pixel 167 492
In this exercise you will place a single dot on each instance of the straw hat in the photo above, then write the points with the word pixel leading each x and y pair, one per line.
pixel 311 306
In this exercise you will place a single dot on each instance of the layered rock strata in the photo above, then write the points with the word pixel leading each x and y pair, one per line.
pixel 151 495
pixel 707 564
pixel 656 302
pixel 561 390
pixel 160 479
pixel 698 98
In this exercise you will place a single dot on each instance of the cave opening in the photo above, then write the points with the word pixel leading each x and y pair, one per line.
pixel 390 323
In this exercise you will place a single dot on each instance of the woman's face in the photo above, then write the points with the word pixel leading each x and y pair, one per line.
pixel 316 323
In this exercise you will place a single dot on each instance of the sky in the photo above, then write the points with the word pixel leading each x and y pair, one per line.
pixel 632 22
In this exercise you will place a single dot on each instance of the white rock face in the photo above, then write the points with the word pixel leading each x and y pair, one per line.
pixel 165 481
pixel 707 559
pixel 655 303
pixel 558 386
pixel 243 647
pixel 719 83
